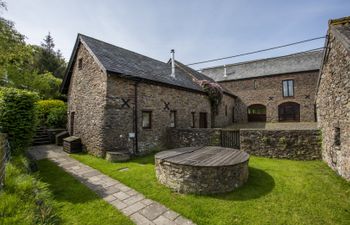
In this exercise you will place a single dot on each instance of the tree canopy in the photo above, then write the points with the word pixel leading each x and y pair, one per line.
pixel 24 66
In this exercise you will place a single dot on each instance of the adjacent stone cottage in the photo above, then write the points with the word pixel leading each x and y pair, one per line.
pixel 333 97
pixel 119 100
pixel 280 89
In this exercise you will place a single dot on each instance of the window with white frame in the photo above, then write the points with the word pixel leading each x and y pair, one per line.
pixel 288 88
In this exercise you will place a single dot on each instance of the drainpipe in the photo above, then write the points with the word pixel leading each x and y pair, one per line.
pixel 172 52
pixel 136 144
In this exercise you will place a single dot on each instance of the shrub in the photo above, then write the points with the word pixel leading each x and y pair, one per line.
pixel 25 199
pixel 57 117
pixel 18 117
pixel 52 113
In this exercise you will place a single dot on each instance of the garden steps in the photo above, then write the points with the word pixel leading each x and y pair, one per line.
pixel 41 137
pixel 125 199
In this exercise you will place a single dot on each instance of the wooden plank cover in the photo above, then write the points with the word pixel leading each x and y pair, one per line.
pixel 204 156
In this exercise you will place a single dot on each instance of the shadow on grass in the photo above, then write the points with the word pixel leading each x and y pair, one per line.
pixel 259 184
pixel 63 186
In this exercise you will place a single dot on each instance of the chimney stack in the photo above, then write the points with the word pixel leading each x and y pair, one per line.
pixel 172 63
pixel 225 72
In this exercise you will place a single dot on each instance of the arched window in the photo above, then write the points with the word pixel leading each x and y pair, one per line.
pixel 256 113
pixel 289 112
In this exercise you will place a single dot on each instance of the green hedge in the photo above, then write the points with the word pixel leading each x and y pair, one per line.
pixel 18 116
pixel 52 113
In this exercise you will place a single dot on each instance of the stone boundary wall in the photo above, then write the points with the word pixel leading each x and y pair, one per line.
pixel 282 144
pixel 191 137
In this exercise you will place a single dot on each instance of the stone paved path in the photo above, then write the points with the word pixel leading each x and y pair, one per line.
pixel 131 203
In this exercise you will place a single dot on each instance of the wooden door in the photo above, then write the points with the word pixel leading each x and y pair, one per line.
pixel 203 120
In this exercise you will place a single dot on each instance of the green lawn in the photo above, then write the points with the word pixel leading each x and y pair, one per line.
pixel 73 202
pixel 277 192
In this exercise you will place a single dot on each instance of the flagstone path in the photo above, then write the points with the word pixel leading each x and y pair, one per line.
pixel 131 203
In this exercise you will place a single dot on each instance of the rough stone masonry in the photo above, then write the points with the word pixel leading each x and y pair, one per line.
pixel 333 98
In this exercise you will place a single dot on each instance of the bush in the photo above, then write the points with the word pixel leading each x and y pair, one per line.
pixel 52 113
pixel 57 117
pixel 18 116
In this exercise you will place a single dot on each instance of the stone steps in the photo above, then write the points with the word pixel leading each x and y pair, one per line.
pixel 41 137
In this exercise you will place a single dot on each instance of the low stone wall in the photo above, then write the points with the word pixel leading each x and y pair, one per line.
pixel 283 144
pixel 191 137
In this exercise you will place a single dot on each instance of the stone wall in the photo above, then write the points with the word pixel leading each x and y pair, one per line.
pixel 87 100
pixel 160 100
pixel 333 106
pixel 268 92
pixel 188 137
pixel 282 144
pixel 201 179
pixel 224 117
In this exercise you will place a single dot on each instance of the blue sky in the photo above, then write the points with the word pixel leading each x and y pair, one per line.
pixel 197 30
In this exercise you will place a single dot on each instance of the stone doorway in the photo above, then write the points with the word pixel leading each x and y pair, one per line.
pixel 256 113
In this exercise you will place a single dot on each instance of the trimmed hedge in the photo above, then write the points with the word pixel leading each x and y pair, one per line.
pixel 18 116
pixel 52 113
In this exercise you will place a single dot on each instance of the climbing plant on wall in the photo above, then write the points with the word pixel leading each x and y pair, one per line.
pixel 214 91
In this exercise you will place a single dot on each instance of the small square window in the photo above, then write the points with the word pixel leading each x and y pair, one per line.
pixel 193 124
pixel 172 118
pixel 146 119
pixel 80 63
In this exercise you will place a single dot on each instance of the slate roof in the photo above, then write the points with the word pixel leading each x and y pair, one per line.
pixel 298 62
pixel 128 64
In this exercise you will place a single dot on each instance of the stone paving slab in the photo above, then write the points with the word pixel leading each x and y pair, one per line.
pixel 142 211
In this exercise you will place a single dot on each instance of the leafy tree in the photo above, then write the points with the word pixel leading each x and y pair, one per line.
pixel 28 67
pixel 15 54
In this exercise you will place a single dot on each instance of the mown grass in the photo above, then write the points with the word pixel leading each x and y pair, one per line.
pixel 73 202
pixel 277 192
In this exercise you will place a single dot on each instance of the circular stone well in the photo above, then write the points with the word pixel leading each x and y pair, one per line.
pixel 202 170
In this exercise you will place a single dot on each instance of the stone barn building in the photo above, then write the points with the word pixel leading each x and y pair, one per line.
pixel 280 89
pixel 333 97
pixel 119 100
